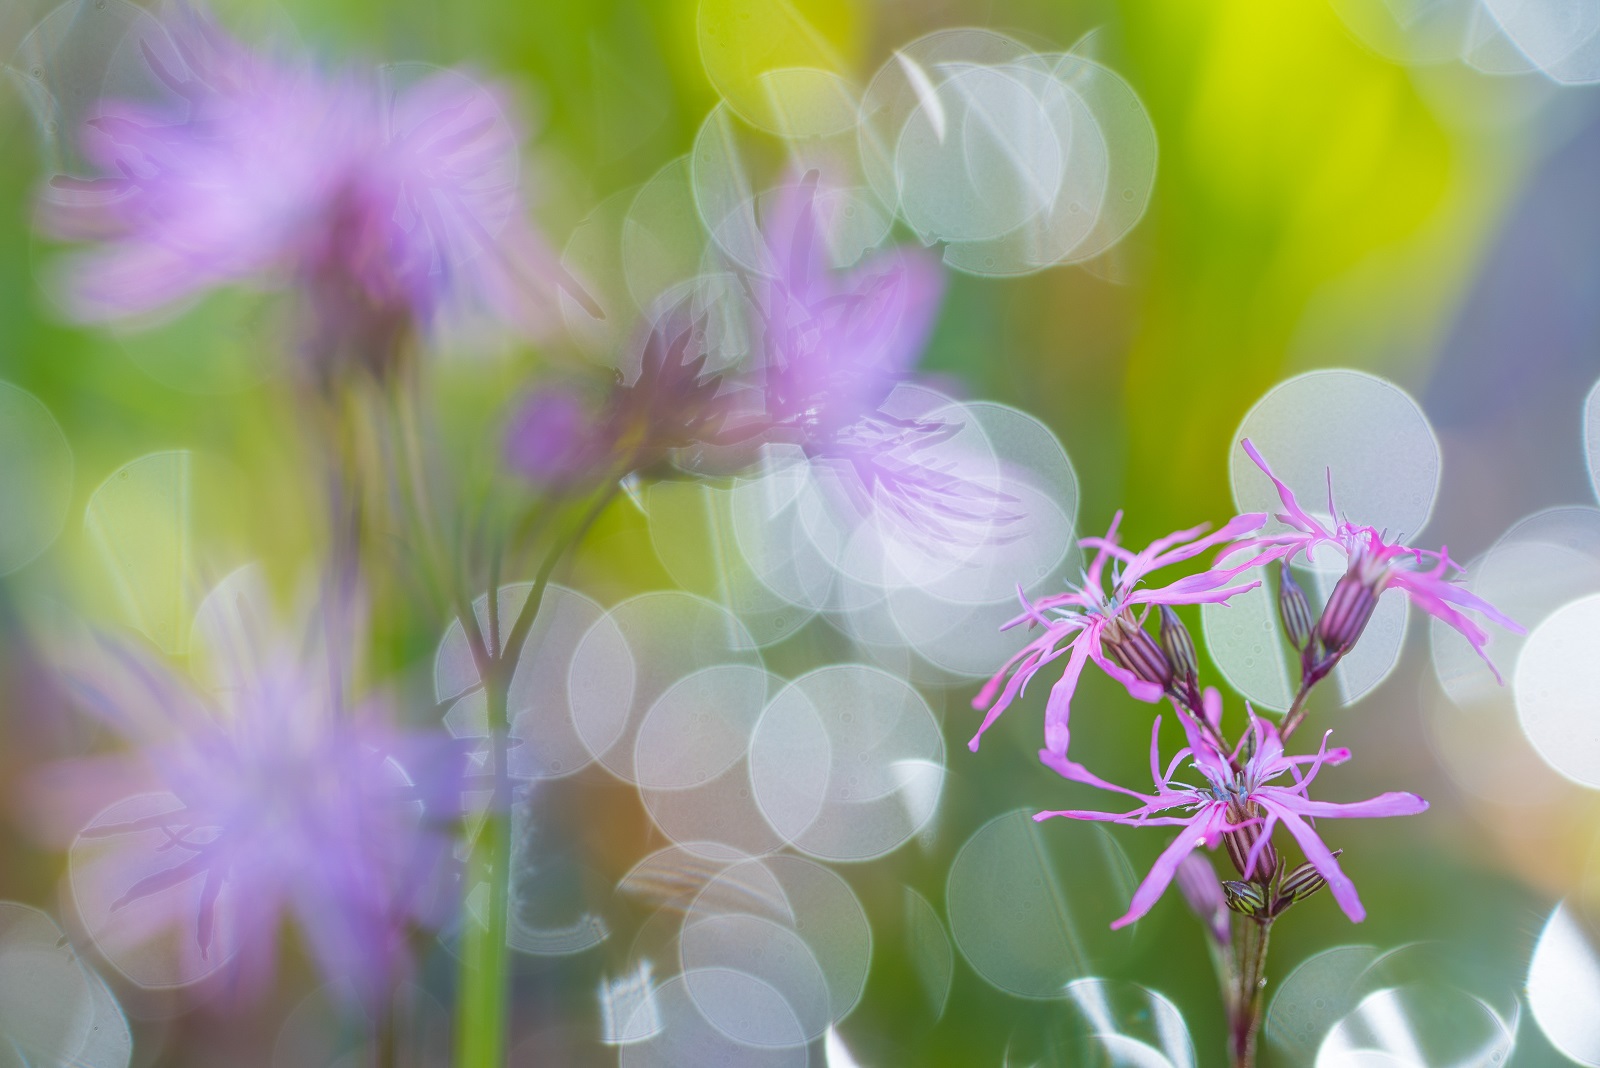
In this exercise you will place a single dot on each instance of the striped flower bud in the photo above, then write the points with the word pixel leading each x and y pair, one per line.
pixel 1247 747
pixel 1300 884
pixel 1349 608
pixel 1247 899
pixel 1128 644
pixel 1293 608
pixel 1179 647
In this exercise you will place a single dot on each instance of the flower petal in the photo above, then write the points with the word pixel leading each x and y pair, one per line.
pixel 1201 828
pixel 1318 853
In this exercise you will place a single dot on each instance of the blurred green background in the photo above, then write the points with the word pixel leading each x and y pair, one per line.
pixel 1316 204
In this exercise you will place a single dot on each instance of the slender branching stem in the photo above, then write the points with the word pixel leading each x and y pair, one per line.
pixel 485 957
pixel 1245 998
pixel 386 1055
pixel 1298 709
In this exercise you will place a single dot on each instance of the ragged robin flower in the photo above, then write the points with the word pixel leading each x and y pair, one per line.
pixel 1234 795
pixel 280 802
pixel 1374 563
pixel 562 441
pixel 385 211
pixel 832 347
pixel 1106 626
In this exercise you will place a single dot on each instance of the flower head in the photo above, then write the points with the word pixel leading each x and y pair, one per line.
pixel 1233 795
pixel 382 209
pixel 278 802
pixel 1105 626
pixel 833 345
pixel 1374 564
pixel 559 441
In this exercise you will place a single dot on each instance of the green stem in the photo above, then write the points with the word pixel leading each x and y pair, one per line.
pixel 415 490
pixel 482 995
pixel 1248 992
pixel 485 957
pixel 387 1048
pixel 530 608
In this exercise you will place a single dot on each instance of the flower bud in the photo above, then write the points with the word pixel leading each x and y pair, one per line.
pixel 1197 882
pixel 1132 648
pixel 1247 899
pixel 555 439
pixel 1300 884
pixel 1293 609
pixel 1179 648
pixel 1349 608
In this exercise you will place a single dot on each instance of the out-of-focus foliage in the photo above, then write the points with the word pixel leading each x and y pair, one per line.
pixel 1316 204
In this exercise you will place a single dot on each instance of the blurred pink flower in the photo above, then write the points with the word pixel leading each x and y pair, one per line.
pixel 834 343
pixel 1202 892
pixel 833 346
pixel 552 440
pixel 1375 564
pixel 1088 620
pixel 282 804
pixel 559 440
pixel 383 208
pixel 1230 800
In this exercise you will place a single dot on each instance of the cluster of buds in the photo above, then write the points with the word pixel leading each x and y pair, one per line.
pixel 1344 617
pixel 1269 897
pixel 1167 661
pixel 1264 889
pixel 1252 854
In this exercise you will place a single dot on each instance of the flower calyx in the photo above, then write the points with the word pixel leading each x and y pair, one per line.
pixel 1130 647
pixel 1178 646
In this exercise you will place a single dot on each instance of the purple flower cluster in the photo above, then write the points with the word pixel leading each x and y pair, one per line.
pixel 1374 564
pixel 1232 790
pixel 561 440
pixel 278 801
pixel 384 209
pixel 1092 623
pixel 1239 798
pixel 830 346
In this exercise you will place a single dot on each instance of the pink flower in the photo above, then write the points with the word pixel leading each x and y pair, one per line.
pixel 1088 622
pixel 279 802
pixel 833 345
pixel 1230 800
pixel 383 209
pixel 1375 564
pixel 560 442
